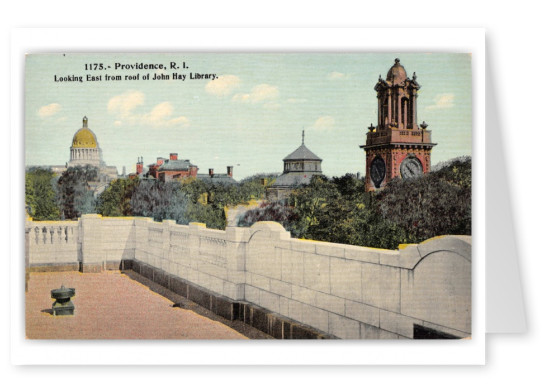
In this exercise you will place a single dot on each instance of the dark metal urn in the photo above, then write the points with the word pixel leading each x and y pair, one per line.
pixel 63 304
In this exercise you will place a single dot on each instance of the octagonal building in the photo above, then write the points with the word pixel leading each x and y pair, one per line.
pixel 298 169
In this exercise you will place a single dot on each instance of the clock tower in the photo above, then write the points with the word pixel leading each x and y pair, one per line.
pixel 397 146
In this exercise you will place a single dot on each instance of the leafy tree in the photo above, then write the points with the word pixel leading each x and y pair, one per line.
pixel 456 172
pixel 254 187
pixel 310 203
pixel 74 191
pixel 371 229
pixel 115 199
pixel 274 211
pixel 349 186
pixel 159 200
pixel 406 211
pixel 175 201
pixel 194 188
pixel 207 214
pixel 257 178
pixel 251 190
pixel 40 196
pixel 336 210
pixel 438 203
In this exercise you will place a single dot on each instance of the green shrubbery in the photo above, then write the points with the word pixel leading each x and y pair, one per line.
pixel 182 201
pixel 75 196
pixel 334 210
pixel 67 197
pixel 48 197
pixel 40 195
pixel 406 211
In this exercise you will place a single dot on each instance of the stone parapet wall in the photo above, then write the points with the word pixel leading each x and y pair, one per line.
pixel 209 258
pixel 356 292
pixel 52 244
pixel 341 290
pixel 106 241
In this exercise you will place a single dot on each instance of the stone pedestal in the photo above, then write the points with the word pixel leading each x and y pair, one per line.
pixel 63 304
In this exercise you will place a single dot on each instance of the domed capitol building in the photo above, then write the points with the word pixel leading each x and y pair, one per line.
pixel 85 150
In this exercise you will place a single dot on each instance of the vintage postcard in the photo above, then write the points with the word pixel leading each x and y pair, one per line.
pixel 270 195
pixel 248 195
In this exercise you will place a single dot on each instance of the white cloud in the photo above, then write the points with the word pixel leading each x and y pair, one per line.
pixel 259 93
pixel 224 85
pixel 263 92
pixel 160 112
pixel 49 110
pixel 324 123
pixel 241 98
pixel 123 105
pixel 442 101
pixel 161 116
pixel 337 76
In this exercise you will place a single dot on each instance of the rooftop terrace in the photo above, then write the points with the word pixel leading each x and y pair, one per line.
pixel 115 305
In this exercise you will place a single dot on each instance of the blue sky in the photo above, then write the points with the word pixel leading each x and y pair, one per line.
pixel 251 116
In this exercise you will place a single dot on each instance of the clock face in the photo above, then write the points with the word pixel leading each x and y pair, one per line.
pixel 377 171
pixel 411 167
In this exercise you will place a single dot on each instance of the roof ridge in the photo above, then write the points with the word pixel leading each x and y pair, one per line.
pixel 302 153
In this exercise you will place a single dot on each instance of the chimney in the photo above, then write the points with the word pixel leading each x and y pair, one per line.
pixel 139 166
pixel 230 171
pixel 160 160
pixel 211 172
pixel 173 156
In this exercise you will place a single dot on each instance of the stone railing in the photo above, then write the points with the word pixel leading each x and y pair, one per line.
pixel 53 243
pixel 357 292
pixel 340 290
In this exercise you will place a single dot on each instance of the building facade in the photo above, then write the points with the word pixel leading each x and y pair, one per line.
pixel 172 169
pixel 397 147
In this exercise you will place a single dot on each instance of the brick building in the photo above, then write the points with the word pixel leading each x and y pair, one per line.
pixel 167 170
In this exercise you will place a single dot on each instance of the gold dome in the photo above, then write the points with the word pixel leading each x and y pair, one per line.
pixel 84 138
